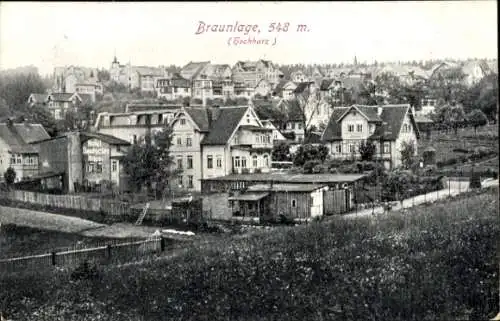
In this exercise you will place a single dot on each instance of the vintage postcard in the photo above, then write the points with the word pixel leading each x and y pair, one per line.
pixel 249 161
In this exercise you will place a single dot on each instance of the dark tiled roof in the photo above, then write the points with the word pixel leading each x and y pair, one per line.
pixel 393 117
pixel 333 130
pixel 61 96
pixel 255 128
pixel 200 116
pixel 325 84
pixel 112 140
pixel 370 112
pixel 284 187
pixel 301 87
pixel 285 177
pixel 278 89
pixel 86 99
pixel 19 136
pixel 224 125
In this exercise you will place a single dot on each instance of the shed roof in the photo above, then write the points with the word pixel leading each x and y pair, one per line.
pixel 285 187
pixel 248 197
pixel 284 177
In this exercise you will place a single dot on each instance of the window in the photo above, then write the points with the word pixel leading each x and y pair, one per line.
pixel 13 159
pixel 190 181
pixel 179 181
pixel 189 141
pixel 359 128
pixel 236 162
pixel 114 166
pixel 179 162
pixel 210 161
pixel 189 162
pixel 294 203
pixel 431 102
pixel 299 126
pixel 254 161
pixel 266 161
pixel 352 148
pixel 387 148
pixel 118 149
pixel 179 141
pixel 243 162
pixel 350 128
pixel 99 167
pixel 338 148
pixel 183 121
pixel 19 159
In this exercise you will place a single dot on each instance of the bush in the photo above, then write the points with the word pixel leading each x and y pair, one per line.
pixel 10 176
pixel 310 165
pixel 85 271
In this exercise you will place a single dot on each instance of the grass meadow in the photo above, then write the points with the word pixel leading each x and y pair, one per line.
pixel 436 262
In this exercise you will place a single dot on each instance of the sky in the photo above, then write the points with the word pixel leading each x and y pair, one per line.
pixel 46 34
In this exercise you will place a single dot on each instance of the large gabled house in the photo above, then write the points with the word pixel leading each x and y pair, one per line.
pixel 251 72
pixel 213 81
pixel 58 104
pixel 217 141
pixel 17 150
pixel 387 127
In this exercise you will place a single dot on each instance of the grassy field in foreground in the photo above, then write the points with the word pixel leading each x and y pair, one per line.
pixel 438 262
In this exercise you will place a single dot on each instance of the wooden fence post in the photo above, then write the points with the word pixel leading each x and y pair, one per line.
pixel 162 244
pixel 108 251
pixel 53 258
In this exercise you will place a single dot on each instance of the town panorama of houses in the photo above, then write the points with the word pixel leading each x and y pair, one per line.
pixel 211 141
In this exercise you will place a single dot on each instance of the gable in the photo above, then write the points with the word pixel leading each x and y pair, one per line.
pixel 188 124
pixel 223 128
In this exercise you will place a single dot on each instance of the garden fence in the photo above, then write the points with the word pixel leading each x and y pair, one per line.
pixel 74 202
pixel 99 254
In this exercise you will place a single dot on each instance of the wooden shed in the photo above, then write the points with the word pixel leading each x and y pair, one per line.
pixel 277 202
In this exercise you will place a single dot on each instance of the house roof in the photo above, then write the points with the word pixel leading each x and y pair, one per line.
pixel 224 125
pixel 112 140
pixel 19 136
pixel 292 109
pixel 192 69
pixel 286 177
pixel 388 123
pixel 39 97
pixel 278 89
pixel 285 187
pixel 325 84
pixel 255 128
pixel 61 96
pixel 150 107
pixel 393 117
pixel 86 98
pixel 333 129
pixel 248 197
pixel 369 112
pixel 200 116
pixel 301 87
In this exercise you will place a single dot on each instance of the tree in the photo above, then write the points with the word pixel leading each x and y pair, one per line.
pixel 477 118
pixel 10 176
pixel 149 162
pixel 367 150
pixel 16 88
pixel 40 115
pixel 407 153
pixel 281 152
pixel 307 104
pixel 103 75
pixel 309 152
